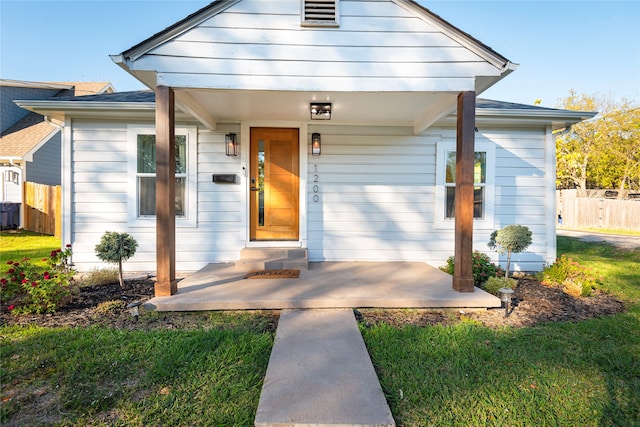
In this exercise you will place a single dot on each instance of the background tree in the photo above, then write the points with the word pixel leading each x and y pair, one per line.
pixel 603 152
pixel 116 248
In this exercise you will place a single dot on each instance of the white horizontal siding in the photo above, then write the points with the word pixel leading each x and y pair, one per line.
pixel 521 195
pixel 375 190
pixel 101 193
pixel 261 45
pixel 376 195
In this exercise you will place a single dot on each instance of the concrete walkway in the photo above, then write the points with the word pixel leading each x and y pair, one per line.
pixel 324 285
pixel 320 374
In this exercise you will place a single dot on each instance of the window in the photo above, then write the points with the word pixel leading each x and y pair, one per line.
pixel 484 184
pixel 320 13
pixel 142 172
pixel 146 174
pixel 479 183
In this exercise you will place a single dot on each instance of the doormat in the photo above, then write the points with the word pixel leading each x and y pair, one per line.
pixel 274 274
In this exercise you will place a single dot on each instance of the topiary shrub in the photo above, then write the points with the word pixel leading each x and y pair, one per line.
pixel 483 268
pixel 511 239
pixel 116 248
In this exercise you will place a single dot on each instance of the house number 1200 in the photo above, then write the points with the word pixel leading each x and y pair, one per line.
pixel 316 189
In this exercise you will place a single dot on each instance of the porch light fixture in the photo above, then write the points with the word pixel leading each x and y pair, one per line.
pixel 316 145
pixel 134 309
pixel 506 296
pixel 231 144
pixel 320 111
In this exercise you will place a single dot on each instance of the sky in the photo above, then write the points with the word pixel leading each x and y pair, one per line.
pixel 590 47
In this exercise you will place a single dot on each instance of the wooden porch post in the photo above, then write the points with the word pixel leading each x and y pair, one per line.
pixel 463 254
pixel 166 284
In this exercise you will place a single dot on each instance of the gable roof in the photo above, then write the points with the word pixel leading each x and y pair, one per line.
pixel 218 6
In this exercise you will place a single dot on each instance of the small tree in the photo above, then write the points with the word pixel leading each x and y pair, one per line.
pixel 116 248
pixel 511 239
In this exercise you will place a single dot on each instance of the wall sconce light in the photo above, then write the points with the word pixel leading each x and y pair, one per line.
pixel 11 176
pixel 320 111
pixel 231 144
pixel 316 145
pixel 134 309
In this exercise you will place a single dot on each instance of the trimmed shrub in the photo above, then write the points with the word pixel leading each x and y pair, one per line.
pixel 511 239
pixel 483 268
pixel 574 278
pixel 494 283
pixel 116 248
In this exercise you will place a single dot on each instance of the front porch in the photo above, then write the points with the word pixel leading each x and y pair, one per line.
pixel 323 285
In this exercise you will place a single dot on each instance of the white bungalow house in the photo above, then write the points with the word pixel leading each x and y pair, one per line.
pixel 348 128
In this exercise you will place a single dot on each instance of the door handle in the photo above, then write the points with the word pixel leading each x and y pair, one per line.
pixel 255 189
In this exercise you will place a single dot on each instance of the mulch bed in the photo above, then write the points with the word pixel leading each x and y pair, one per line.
pixel 538 304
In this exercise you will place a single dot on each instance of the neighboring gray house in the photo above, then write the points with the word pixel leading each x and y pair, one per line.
pixel 336 131
pixel 30 142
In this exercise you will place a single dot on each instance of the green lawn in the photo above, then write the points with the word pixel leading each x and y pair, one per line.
pixel 563 374
pixel 107 377
pixel 558 374
pixel 26 244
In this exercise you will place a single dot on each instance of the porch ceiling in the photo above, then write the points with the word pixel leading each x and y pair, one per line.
pixel 415 109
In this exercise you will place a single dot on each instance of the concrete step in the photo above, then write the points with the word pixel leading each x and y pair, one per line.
pixel 253 259
pixel 320 374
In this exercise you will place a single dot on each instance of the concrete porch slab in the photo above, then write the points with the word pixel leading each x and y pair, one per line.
pixel 324 285
pixel 320 374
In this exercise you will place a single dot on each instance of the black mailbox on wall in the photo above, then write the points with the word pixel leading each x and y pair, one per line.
pixel 224 178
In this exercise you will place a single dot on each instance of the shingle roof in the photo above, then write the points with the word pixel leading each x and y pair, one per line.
pixel 149 96
pixel 21 137
pixel 86 88
pixel 133 96
pixel 24 135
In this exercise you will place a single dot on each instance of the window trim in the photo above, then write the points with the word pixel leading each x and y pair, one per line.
pixel 441 221
pixel 191 190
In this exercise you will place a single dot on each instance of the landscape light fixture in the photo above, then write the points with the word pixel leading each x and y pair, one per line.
pixel 320 110
pixel 316 145
pixel 506 296
pixel 231 144
pixel 134 309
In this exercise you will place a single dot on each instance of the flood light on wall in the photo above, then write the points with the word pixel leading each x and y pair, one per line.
pixel 316 144
pixel 320 111
pixel 231 144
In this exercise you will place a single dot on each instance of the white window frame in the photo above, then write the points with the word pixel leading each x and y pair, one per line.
pixel 488 220
pixel 191 190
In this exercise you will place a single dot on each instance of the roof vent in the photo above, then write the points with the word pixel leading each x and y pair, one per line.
pixel 321 12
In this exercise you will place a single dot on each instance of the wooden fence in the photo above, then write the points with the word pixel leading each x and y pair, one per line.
pixel 596 210
pixel 42 208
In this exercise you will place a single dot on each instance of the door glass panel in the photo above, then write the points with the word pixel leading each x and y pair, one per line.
pixel 261 183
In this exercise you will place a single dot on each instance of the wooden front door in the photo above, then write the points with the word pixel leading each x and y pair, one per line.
pixel 274 184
